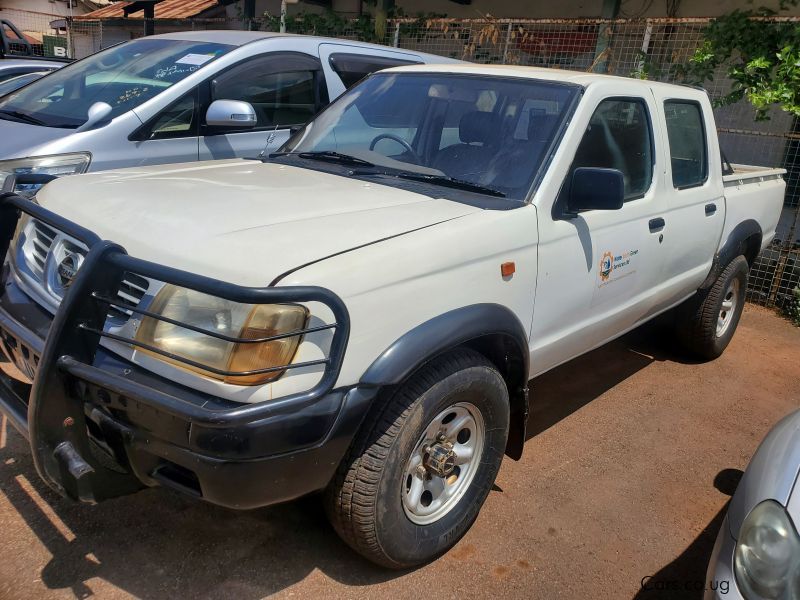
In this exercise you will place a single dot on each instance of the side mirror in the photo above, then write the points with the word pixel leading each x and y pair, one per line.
pixel 593 188
pixel 96 115
pixel 231 113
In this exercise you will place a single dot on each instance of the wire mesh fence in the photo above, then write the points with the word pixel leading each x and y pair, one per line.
pixel 41 35
pixel 646 48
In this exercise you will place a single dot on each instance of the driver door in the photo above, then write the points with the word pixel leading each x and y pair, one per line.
pixel 600 271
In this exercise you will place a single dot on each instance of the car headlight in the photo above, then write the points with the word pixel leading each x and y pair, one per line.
pixel 225 318
pixel 767 556
pixel 57 164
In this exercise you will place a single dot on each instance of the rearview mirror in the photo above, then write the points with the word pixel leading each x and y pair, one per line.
pixel 96 115
pixel 593 188
pixel 231 113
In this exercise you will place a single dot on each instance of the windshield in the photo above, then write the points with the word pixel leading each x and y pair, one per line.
pixel 124 76
pixel 491 132
pixel 14 83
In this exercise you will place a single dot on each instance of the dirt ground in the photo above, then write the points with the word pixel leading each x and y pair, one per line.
pixel 631 457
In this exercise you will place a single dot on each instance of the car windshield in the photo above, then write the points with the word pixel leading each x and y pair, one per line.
pixel 124 76
pixel 446 129
pixel 9 85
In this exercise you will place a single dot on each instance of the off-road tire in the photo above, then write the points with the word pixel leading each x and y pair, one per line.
pixel 698 316
pixel 364 500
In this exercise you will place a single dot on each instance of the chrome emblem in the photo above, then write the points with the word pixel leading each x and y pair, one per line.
pixel 67 269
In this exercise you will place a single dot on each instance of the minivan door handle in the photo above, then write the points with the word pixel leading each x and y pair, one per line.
pixel 656 225
pixel 711 208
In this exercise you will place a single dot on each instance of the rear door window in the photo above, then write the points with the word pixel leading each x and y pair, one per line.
pixel 687 143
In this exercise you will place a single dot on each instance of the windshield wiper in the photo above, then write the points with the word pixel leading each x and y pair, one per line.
pixel 21 116
pixel 452 182
pixel 328 156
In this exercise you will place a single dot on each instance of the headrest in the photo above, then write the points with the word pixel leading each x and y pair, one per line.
pixel 540 124
pixel 478 126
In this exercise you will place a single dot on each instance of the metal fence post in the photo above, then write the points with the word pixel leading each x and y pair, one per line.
pixel 508 41
pixel 396 40
pixel 68 21
pixel 648 32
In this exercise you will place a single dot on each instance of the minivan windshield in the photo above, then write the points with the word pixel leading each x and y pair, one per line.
pixel 124 76
pixel 485 134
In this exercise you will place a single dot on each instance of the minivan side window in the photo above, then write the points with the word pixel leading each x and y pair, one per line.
pixel 687 143
pixel 179 119
pixel 283 88
pixel 619 137
pixel 352 68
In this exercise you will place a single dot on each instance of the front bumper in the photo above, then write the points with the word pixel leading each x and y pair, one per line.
pixel 720 578
pixel 101 427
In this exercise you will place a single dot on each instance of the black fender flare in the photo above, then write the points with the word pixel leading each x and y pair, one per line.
pixel 735 245
pixel 464 326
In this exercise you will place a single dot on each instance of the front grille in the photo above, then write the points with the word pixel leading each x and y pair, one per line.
pixel 131 291
pixel 42 240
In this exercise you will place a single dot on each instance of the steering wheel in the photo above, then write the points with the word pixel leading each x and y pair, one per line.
pixel 395 138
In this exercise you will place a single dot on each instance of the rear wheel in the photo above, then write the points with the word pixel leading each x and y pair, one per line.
pixel 708 321
pixel 421 467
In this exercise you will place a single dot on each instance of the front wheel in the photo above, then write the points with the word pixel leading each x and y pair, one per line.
pixel 421 467
pixel 708 320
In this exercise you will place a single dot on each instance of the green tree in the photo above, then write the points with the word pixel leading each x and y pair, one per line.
pixel 760 54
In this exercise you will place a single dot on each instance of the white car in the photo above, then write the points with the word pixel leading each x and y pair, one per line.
pixel 362 312
pixel 179 97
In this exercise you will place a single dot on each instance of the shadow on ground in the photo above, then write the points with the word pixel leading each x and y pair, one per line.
pixel 685 577
pixel 566 389
pixel 158 543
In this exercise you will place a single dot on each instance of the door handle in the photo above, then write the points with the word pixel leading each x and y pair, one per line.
pixel 656 225
pixel 711 209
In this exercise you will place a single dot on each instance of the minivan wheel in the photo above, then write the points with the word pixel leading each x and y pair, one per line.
pixel 709 319
pixel 421 467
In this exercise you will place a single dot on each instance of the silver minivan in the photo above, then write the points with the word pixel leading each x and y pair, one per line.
pixel 178 97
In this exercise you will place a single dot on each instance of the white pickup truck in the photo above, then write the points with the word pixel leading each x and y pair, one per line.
pixel 362 313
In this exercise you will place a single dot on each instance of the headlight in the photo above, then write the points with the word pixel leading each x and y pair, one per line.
pixel 230 319
pixel 767 556
pixel 57 164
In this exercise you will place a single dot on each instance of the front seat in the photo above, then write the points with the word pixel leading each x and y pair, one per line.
pixel 479 134
pixel 514 166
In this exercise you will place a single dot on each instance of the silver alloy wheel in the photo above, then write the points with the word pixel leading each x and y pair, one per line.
pixel 443 463
pixel 728 308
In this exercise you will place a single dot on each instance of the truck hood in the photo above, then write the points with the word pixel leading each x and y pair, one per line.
pixel 240 221
pixel 21 140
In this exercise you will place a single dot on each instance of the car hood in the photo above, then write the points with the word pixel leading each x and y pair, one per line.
pixel 240 221
pixel 21 140
pixel 771 474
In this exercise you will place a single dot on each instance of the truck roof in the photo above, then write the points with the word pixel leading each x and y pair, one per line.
pixel 577 77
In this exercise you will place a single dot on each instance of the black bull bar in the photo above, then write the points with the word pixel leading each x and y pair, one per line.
pixel 55 419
